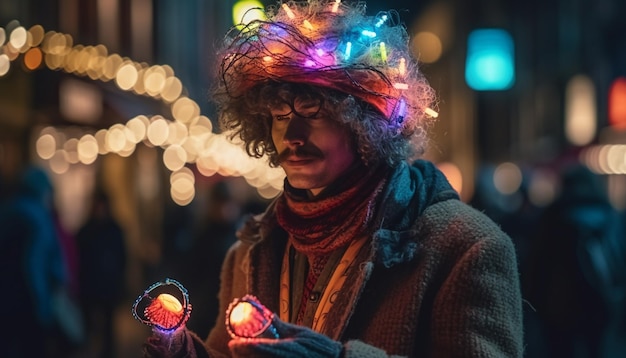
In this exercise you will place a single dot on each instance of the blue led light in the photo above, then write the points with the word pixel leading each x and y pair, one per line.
pixel 368 33
pixel 348 51
pixel 381 21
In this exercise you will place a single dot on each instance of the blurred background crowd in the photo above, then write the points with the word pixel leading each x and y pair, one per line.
pixel 114 174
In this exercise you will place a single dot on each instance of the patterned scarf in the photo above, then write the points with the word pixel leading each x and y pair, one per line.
pixel 332 219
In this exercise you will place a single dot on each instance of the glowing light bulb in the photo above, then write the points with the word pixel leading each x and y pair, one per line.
pixel 368 33
pixel 431 112
pixel 348 51
pixel 402 67
pixel 383 51
pixel 381 21
pixel 288 11
pixel 248 318
pixel 165 313
pixel 401 110
pixel 241 313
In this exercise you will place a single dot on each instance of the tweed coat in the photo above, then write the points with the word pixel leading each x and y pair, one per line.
pixel 439 278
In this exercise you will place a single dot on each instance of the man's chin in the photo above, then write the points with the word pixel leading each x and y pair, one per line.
pixel 302 181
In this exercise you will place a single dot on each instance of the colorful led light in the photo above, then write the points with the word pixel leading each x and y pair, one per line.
pixel 288 11
pixel 401 110
pixel 402 67
pixel 383 52
pixel 429 111
pixel 368 33
pixel 381 21
pixel 348 50
pixel 365 59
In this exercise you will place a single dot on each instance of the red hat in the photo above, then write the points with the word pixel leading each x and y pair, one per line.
pixel 329 44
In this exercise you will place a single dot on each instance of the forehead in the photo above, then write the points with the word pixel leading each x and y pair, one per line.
pixel 287 92
pixel 295 103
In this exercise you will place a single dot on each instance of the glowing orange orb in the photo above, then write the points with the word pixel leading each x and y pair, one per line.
pixel 165 311
pixel 241 313
pixel 170 302
pixel 248 318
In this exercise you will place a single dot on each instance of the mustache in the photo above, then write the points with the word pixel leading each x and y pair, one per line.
pixel 304 152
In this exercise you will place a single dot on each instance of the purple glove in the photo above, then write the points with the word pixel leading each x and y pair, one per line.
pixel 294 341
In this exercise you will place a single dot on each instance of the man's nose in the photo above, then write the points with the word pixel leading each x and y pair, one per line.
pixel 296 132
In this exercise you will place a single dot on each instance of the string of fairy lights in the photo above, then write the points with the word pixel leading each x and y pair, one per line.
pixel 188 138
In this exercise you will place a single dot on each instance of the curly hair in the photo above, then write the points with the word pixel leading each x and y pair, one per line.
pixel 360 64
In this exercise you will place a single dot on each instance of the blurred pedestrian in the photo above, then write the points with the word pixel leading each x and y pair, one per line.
pixel 32 266
pixel 577 269
pixel 102 277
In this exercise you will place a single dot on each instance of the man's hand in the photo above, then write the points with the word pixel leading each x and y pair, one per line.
pixel 294 341
pixel 162 345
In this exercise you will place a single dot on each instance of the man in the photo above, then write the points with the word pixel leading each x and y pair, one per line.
pixel 362 255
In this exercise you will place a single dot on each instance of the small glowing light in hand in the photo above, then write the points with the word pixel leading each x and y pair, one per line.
pixel 170 303
pixel 248 318
pixel 241 313
pixel 166 312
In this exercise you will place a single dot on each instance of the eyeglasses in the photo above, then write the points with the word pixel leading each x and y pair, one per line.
pixel 308 106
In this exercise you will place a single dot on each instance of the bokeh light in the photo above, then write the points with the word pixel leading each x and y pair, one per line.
pixel 33 58
pixel 126 76
pixel 617 103
pixel 580 111
pixel 428 46
pixel 187 139
pixel 45 146
pixel 453 174
pixel 246 11
pixel 507 178
pixel 18 37
pixel 87 149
